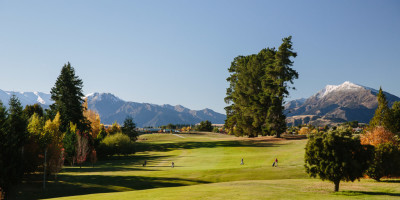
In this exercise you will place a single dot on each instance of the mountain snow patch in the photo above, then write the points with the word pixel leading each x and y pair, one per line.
pixel 347 85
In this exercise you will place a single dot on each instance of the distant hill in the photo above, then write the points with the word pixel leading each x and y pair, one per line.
pixel 112 108
pixel 336 104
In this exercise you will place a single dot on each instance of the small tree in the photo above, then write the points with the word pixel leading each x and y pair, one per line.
pixel 82 147
pixel 69 143
pixel 129 129
pixel 336 157
pixel 115 128
pixel 94 118
pixel 93 157
pixel 304 131
pixel 31 109
pixel 205 126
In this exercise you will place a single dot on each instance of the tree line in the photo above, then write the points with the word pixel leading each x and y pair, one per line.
pixel 34 139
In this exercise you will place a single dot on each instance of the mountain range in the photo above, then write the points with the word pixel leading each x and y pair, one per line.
pixel 112 108
pixel 336 104
pixel 332 105
pixel 27 98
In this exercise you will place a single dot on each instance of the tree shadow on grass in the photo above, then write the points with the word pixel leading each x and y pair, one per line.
pixel 391 181
pixel 141 147
pixel 69 185
pixel 358 193
pixel 117 163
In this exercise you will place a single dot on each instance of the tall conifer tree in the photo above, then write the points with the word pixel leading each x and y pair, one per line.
pixel 13 136
pixel 68 98
pixel 383 115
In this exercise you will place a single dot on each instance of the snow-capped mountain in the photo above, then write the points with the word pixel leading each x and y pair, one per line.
pixel 112 108
pixel 337 103
pixel 27 98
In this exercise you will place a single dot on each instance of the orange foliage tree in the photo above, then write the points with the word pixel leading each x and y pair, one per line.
pixel 94 119
pixel 378 135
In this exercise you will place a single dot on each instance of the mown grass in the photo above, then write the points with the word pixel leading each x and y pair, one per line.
pixel 207 166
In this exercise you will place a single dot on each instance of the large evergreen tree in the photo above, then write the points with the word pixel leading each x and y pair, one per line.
pixel 4 153
pixel 68 99
pixel 282 74
pixel 13 136
pixel 383 115
pixel 396 116
pixel 258 86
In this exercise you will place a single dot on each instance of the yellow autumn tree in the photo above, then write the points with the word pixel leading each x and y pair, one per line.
pixel 55 151
pixel 94 119
pixel 304 131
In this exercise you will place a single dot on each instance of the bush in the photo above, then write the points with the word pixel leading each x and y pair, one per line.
pixel 116 144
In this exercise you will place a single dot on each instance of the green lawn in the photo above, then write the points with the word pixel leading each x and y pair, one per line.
pixel 207 166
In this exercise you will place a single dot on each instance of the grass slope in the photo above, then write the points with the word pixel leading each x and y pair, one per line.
pixel 207 166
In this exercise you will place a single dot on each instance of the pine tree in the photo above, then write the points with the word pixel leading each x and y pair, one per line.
pixel 396 116
pixel 68 98
pixel 383 115
pixel 13 137
pixel 5 151
pixel 284 74
pixel 129 129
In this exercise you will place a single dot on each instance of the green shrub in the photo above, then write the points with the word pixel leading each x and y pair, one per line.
pixel 116 144
pixel 216 130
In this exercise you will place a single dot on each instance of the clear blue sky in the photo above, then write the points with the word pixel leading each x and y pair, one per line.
pixel 178 52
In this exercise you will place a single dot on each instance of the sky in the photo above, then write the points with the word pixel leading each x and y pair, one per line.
pixel 178 52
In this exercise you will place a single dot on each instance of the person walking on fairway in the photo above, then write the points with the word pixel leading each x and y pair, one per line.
pixel 144 164
pixel 276 162
pixel 172 165
pixel 242 163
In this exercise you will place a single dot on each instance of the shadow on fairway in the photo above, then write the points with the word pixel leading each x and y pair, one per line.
pixel 358 193
pixel 391 181
pixel 69 185
pixel 116 163
pixel 140 147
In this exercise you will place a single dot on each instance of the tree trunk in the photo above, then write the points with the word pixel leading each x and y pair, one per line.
pixel 337 186
pixel 44 167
